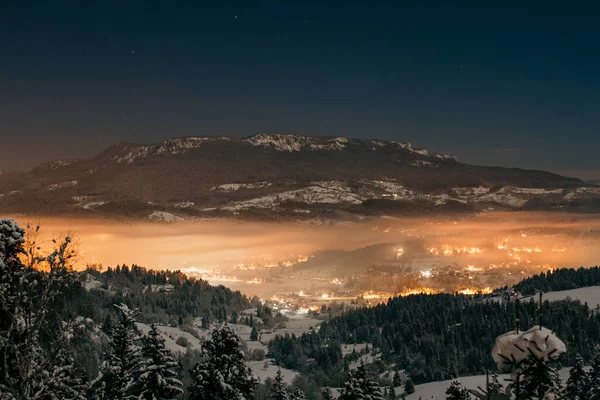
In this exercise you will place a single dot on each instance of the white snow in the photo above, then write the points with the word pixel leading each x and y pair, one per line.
pixel 589 295
pixel 421 163
pixel 542 342
pixel 262 373
pixel 171 334
pixel 185 204
pixel 165 217
pixel 52 165
pixel 169 146
pixel 232 187
pixel 437 390
pixel 332 192
pixel 504 196
pixel 290 142
pixel 470 191
pixel 94 204
pixel 581 192
pixel 91 283
pixel 62 185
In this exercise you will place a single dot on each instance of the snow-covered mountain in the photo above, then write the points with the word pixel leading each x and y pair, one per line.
pixel 281 175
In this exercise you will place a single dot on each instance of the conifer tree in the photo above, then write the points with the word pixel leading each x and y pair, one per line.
pixel 392 393
pixel 254 334
pixel 495 387
pixel 297 394
pixel 577 382
pixel 593 384
pixel 158 376
pixel 278 391
pixel 326 394
pixel 409 386
pixel 457 391
pixel 121 371
pixel 222 373
pixel 27 298
pixel 360 386
pixel 397 380
pixel 539 379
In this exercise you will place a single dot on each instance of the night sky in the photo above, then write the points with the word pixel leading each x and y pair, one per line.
pixel 511 86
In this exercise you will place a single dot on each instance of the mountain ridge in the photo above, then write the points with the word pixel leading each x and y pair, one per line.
pixel 294 175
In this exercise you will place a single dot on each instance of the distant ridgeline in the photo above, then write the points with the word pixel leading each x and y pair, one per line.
pixel 559 279
pixel 161 296
pixel 441 336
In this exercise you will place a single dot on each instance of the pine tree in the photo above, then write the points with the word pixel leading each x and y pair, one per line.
pixel 27 299
pixel 121 371
pixel 539 379
pixel 352 389
pixel 278 391
pixel 577 382
pixel 457 391
pixel 392 393
pixel 593 385
pixel 158 376
pixel 360 386
pixel 298 394
pixel 409 386
pixel 254 334
pixel 326 394
pixel 222 374
pixel 397 380
pixel 495 387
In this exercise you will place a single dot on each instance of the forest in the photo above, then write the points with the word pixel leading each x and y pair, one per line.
pixel 73 335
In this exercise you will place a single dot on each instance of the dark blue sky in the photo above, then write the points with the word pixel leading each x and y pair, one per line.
pixel 512 86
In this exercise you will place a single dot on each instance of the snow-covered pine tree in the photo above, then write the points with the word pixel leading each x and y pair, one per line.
pixel 397 380
pixel 278 391
pixel 392 393
pixel 409 386
pixel 592 390
pixel 352 389
pixel 297 394
pixel 457 391
pixel 254 334
pixel 27 296
pixel 158 372
pixel 539 379
pixel 119 379
pixel 578 381
pixel 222 373
pixel 495 387
pixel 360 384
pixel 326 394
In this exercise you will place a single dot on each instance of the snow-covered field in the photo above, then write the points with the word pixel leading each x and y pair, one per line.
pixel 437 390
pixel 589 295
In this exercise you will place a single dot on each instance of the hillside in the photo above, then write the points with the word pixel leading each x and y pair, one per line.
pixel 280 176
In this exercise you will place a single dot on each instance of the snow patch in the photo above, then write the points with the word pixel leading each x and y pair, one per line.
pixel 165 217
pixel 290 142
pixel 232 187
pixel 169 146
pixel 185 204
pixel 94 204
pixel 62 185
pixel 318 193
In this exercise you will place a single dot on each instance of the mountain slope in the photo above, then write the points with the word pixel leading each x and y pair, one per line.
pixel 221 176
